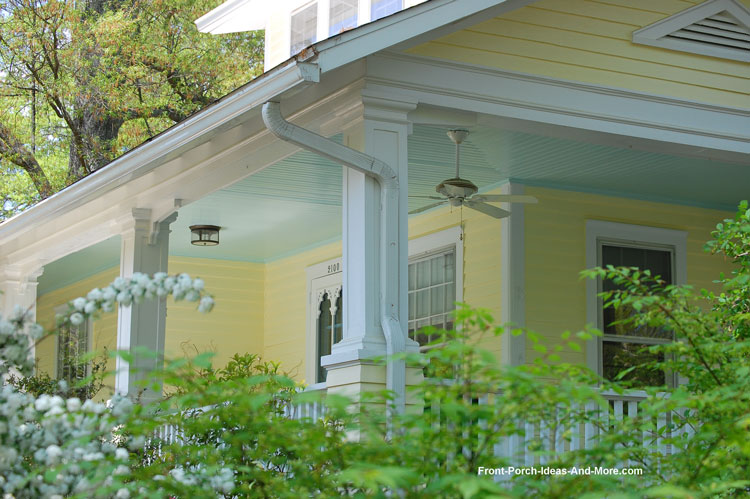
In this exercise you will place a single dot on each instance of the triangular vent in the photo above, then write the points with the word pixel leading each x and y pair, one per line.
pixel 718 28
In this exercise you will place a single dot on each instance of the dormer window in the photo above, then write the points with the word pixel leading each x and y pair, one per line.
pixel 304 28
pixel 343 16
pixel 382 8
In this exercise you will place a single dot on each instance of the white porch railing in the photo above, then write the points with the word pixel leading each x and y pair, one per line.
pixel 541 443
pixel 537 443
pixel 170 433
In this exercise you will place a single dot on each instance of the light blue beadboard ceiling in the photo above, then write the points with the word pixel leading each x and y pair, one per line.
pixel 296 203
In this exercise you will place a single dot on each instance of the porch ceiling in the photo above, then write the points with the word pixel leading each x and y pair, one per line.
pixel 295 204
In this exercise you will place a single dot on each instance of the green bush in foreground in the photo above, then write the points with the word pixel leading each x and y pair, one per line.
pixel 235 438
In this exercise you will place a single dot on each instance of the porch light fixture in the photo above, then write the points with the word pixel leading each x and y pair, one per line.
pixel 204 235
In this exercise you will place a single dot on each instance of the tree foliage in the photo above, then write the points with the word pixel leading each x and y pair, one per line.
pixel 81 82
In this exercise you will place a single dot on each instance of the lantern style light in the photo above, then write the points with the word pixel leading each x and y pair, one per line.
pixel 204 235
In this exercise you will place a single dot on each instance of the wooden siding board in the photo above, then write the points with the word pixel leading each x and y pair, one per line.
pixel 590 41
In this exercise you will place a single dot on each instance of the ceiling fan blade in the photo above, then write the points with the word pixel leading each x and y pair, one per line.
pixel 505 198
pixel 428 207
pixel 427 197
pixel 487 209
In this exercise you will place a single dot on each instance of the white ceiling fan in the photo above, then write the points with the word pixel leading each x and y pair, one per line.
pixel 459 191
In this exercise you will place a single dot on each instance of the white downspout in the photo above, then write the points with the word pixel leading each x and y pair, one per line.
pixel 389 188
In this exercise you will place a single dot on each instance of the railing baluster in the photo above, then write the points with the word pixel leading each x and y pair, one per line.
pixel 589 431
pixel 530 435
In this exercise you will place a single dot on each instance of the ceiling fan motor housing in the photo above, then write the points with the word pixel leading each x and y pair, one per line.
pixel 457 189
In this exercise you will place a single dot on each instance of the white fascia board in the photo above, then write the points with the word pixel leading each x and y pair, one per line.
pixel 187 134
pixel 234 16
pixel 533 98
pixel 421 22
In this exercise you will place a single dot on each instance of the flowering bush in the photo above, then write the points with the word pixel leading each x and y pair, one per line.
pixel 52 446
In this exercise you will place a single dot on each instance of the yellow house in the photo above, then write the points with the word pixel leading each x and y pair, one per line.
pixel 628 122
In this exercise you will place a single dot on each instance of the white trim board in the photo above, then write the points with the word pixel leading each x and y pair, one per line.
pixel 703 29
pixel 597 230
pixel 532 98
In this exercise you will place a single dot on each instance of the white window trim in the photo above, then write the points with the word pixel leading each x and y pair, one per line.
pixel 62 310
pixel 637 235
pixel 418 247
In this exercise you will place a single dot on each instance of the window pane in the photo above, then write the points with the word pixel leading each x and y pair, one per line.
pixel 343 15
pixel 659 262
pixel 617 356
pixel 423 304
pixel 338 320
pixel 382 8
pixel 304 28
pixel 432 292
pixel 324 334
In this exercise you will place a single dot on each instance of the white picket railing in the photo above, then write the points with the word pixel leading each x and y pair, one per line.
pixel 564 433
pixel 170 433
pixel 541 443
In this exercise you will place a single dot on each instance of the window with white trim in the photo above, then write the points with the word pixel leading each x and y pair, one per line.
pixel 624 346
pixel 435 284
pixel 73 343
pixel 343 16
pixel 660 251
pixel 432 292
pixel 304 28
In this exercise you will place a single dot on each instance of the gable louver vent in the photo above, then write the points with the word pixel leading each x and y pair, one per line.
pixel 718 28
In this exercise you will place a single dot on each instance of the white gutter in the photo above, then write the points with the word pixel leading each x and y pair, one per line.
pixel 389 189
pixel 169 144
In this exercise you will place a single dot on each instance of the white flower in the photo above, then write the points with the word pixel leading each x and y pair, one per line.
pixel 36 331
pixel 121 454
pixel 76 319
pixel 95 294
pixel 42 403
pixel 122 494
pixel 124 297
pixel 198 284
pixel 206 304
pixel 120 283
pixel 73 404
pixel 79 303
pixel 90 307
pixel 53 453
pixel 141 279
pixel 109 294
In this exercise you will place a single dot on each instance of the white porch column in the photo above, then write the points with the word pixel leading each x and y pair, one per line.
pixel 145 248
pixel 513 291
pixel 18 288
pixel 386 129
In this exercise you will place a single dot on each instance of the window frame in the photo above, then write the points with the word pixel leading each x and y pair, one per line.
pixel 89 325
pixel 299 10
pixel 419 247
pixel 599 232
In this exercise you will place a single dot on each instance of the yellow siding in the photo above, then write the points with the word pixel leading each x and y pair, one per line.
pixel 590 41
pixel 105 329
pixel 234 326
pixel 286 307
pixel 277 39
pixel 555 252
pixel 236 323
